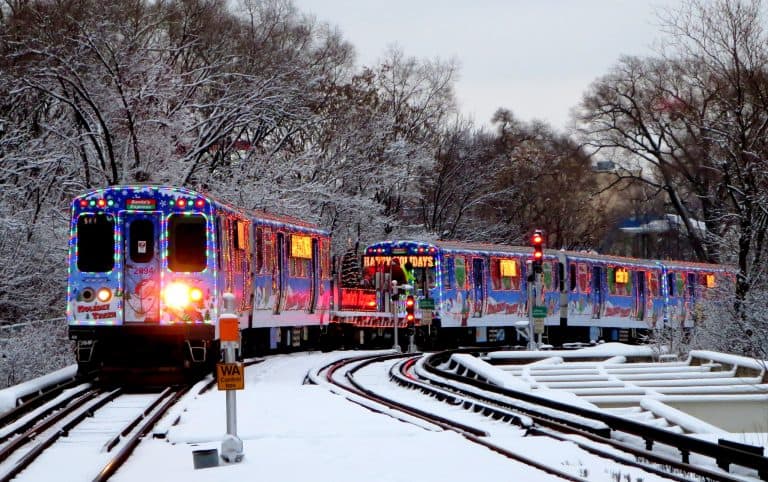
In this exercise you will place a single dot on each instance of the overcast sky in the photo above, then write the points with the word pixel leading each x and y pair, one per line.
pixel 534 57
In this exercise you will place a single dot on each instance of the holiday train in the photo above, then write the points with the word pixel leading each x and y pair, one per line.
pixel 148 267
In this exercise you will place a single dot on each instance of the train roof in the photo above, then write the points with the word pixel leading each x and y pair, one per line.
pixel 253 213
pixel 493 249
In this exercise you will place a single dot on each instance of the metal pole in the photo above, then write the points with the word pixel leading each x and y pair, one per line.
pixel 229 357
pixel 393 291
pixel 531 300
pixel 539 287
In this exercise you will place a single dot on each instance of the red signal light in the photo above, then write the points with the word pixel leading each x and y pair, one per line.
pixel 410 306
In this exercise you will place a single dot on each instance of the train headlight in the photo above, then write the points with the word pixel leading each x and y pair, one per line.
pixel 196 294
pixel 177 295
pixel 104 295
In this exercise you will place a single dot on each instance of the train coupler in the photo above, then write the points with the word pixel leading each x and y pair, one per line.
pixel 84 350
pixel 198 354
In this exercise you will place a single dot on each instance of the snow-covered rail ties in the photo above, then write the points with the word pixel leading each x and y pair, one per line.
pixel 359 379
pixel 99 426
pixel 464 377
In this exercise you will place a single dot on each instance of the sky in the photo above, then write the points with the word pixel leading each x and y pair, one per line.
pixel 535 58
pixel 293 431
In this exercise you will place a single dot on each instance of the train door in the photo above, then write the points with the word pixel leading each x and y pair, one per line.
pixel 691 284
pixel 639 294
pixel 314 275
pixel 141 292
pixel 477 286
pixel 280 270
pixel 598 297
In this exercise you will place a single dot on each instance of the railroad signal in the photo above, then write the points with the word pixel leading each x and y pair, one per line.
pixel 537 240
pixel 410 306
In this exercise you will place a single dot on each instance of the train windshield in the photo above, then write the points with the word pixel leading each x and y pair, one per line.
pixel 417 271
pixel 186 243
pixel 95 243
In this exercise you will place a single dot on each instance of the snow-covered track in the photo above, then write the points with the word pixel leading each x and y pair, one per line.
pixel 439 372
pixel 31 401
pixel 370 399
pixel 88 428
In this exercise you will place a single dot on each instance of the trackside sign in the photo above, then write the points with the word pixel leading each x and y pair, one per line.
pixel 230 376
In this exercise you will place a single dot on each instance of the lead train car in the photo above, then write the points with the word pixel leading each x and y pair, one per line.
pixel 479 291
pixel 148 266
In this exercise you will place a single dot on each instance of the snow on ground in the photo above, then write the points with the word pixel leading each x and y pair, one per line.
pixel 293 431
pixel 297 432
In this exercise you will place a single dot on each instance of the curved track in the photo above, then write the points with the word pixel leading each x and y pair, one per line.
pixel 343 376
pixel 437 378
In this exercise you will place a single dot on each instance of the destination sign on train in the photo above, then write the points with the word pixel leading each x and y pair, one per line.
pixel 140 203
pixel 416 261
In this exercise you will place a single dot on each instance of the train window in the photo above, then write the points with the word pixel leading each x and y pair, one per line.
pixel 325 258
pixel 549 276
pixel 583 278
pixel 259 250
pixel 653 283
pixel 505 274
pixel 240 233
pixel 186 243
pixel 269 250
pixel 95 243
pixel 671 288
pixel 572 277
pixel 619 281
pixel 221 243
pixel 460 272
pixel 141 233
pixel 447 267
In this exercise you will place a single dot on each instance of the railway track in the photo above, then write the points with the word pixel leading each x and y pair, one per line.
pixel 436 377
pixel 342 376
pixel 591 435
pixel 95 425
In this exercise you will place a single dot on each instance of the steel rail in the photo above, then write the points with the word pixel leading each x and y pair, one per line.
pixel 125 452
pixel 470 433
pixel 723 455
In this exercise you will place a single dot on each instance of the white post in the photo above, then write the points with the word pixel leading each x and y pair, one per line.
pixel 231 446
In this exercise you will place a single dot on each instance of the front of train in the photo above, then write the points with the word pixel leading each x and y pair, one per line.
pixel 141 287
pixel 408 269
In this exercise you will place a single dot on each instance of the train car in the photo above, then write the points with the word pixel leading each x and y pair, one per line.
pixel 148 266
pixel 470 293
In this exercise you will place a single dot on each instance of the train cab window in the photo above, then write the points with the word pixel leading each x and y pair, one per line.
pixel 423 279
pixel 186 243
pixel 95 243
pixel 141 233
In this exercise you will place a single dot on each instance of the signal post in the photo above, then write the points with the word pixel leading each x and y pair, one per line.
pixel 536 314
